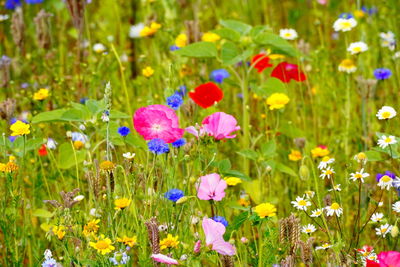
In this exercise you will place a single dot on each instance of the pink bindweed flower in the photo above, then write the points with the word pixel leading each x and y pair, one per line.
pixel 214 232
pixel 211 187
pixel 220 125
pixel 157 121
pixel 386 259
pixel 197 246
pixel 164 259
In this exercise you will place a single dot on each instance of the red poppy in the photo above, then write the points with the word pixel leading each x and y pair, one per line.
pixel 262 62
pixel 286 72
pixel 42 151
pixel 206 95
pixel 372 263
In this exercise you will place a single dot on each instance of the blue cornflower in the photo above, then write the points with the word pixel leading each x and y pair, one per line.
pixel 158 146
pixel 382 73
pixel 12 138
pixel 182 91
pixel 175 101
pixel 12 4
pixel 370 11
pixel 220 219
pixel 387 173
pixel 124 131
pixel 346 16
pixel 34 1
pixel 173 48
pixel 219 75
pixel 50 262
pixel 179 142
pixel 14 120
pixel 119 258
pixel 174 194
pixel 83 100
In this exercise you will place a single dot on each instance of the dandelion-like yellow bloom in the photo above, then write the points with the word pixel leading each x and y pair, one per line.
pixel 319 152
pixel 265 210
pixel 243 202
pixel 232 181
pixel 295 155
pixel 347 65
pixel 2 167
pixel 19 128
pixel 42 94
pixel 59 231
pixel 10 167
pixel 107 165
pixel 103 245
pixel 148 72
pixel 169 242
pixel 181 40
pixel 129 241
pixel 78 144
pixel 210 37
pixel 277 101
pixel 150 30
pixel 359 14
pixel 122 203
pixel 91 227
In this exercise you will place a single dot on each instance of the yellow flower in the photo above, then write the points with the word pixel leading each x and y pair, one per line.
pixel 265 210
pixel 41 94
pixel 78 144
pixel 11 158
pixel 19 128
pixel 107 165
pixel 276 56
pixel 347 65
pixel 129 241
pixel 147 72
pixel 319 152
pixel 91 227
pixel 181 40
pixel 169 242
pixel 150 30
pixel 295 155
pixel 277 101
pixel 11 167
pixel 210 37
pixel 59 231
pixel 244 202
pixel 359 14
pixel 232 181
pixel 122 203
pixel 2 167
pixel 103 245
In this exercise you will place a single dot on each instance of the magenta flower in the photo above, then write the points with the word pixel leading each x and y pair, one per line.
pixel 164 259
pixel 389 258
pixel 157 121
pixel 214 232
pixel 212 187
pixel 197 247
pixel 220 125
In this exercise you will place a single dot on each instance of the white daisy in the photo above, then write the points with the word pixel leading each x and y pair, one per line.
pixel 372 257
pixel 325 162
pixel 323 247
pixel 334 209
pixel 387 182
pixel 377 217
pixel 359 176
pixel 134 31
pixel 336 188
pixel 396 206
pixel 99 48
pixel 328 172
pixel 361 158
pixel 309 194
pixel 4 17
pixel 316 213
pixel 344 25
pixel 357 47
pixel 384 141
pixel 128 155
pixel 383 229
pixel 388 40
pixel 308 229
pixel 301 203
pixel 347 65
pixel 386 112
pixel 288 34
pixel 51 143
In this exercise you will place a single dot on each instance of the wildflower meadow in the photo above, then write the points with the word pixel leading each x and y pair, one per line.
pixel 199 133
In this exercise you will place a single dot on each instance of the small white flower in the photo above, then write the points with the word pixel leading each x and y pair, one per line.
pixel 162 227
pixel 325 162
pixel 396 206
pixel 396 55
pixel 384 141
pixel 79 198
pixel 82 127
pixel 48 254
pixel 388 40
pixel 77 136
pixel 386 112
pixel 383 230
pixel 4 17
pixel 359 176
pixel 99 48
pixel 380 204
pixel 328 172
pixel 316 213
pixel 323 247
pixel 51 143
pixel 377 217
pixel 301 203
pixel 357 47
pixel 105 117
pixel 336 188
pixel 288 34
pixel 135 30
pixel 309 194
pixel 334 209
pixel 95 213
pixel 183 257
pixel 387 182
pixel 344 25
pixel 129 155
pixel 308 229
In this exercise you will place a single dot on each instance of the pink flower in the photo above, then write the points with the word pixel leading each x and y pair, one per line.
pixel 220 125
pixel 214 232
pixel 157 121
pixel 164 259
pixel 197 246
pixel 389 258
pixel 211 187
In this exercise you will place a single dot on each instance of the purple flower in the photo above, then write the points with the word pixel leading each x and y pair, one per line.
pixel 387 173
pixel 220 219
pixel 175 101
pixel 219 75
pixel 12 4
pixel 382 73
pixel 158 146
pixel 370 11
pixel 34 1
pixel 346 16
pixel 173 48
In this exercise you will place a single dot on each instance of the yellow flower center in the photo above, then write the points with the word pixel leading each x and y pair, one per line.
pixel 328 172
pixel 335 206
pixel 302 202
pixel 388 140
pixel 358 176
pixel 386 179
pixel 102 244
pixel 386 114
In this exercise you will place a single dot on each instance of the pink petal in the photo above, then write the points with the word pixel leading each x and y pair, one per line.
pixel 164 259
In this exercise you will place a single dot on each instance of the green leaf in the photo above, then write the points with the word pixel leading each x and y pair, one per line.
pixel 271 86
pixel 268 149
pixel 229 51
pixel 32 144
pixel 278 44
pixel 228 34
pixel 136 141
pixel 373 155
pixel 199 50
pixel 257 30
pixel 66 156
pixel 235 173
pixel 248 153
pixel 115 114
pixel 95 106
pixel 42 213
pixel 235 25
pixel 54 115
pixel 285 169
pixel 287 128
pixel 235 224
